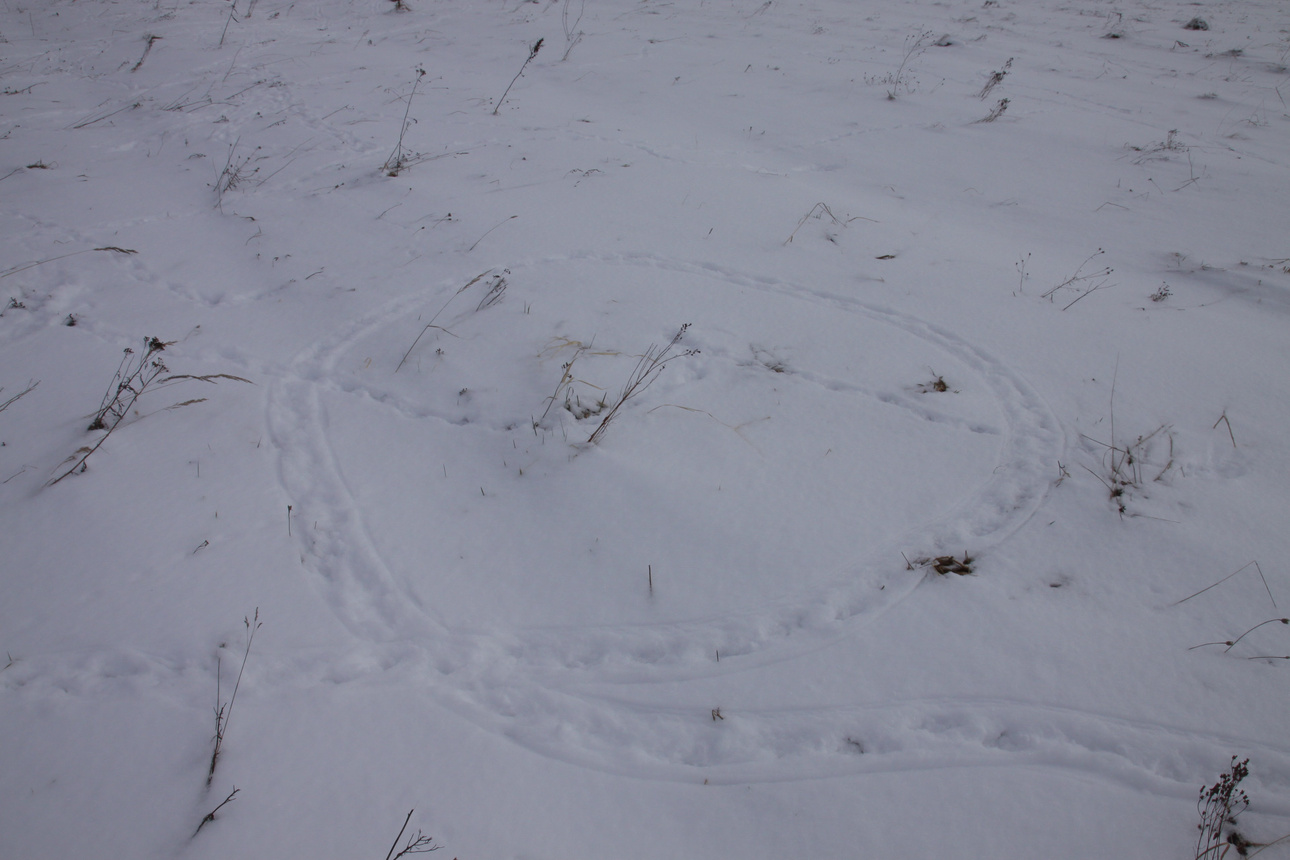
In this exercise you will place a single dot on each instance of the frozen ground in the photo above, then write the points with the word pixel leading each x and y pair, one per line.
pixel 1041 329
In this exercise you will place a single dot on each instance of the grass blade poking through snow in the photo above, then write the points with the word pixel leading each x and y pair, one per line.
pixel 400 159
pixel 647 370
pixel 223 712
pixel 537 46
pixel 994 114
pixel 31 386
pixel 210 816
pixel 572 35
pixel 136 374
pixel 431 324
pixel 1219 804
pixel 417 843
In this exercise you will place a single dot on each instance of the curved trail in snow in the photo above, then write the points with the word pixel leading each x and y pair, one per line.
pixel 361 588
pixel 565 692
pixel 678 744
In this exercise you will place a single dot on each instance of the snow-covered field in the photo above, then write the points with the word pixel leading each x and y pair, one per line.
pixel 926 538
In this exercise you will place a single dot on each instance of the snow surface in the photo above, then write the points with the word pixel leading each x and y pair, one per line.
pixel 718 631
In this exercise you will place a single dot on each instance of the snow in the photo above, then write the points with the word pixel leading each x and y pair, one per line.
pixel 718 631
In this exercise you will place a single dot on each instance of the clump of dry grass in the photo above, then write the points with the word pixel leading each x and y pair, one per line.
pixel 1131 464
pixel 1080 281
pixel 900 79
pixel 996 78
pixel 137 374
pixel 995 112
pixel 401 159
pixel 237 171
pixel 496 288
pixel 944 564
pixel 647 370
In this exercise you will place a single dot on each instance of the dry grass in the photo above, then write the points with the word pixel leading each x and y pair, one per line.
pixel 647 370
pixel 137 374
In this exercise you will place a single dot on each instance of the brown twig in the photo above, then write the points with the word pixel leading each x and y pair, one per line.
pixel 417 844
pixel 146 49
pixel 1222 419
pixel 210 816
pixel 533 52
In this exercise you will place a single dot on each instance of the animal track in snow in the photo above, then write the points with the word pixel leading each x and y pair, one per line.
pixel 544 681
